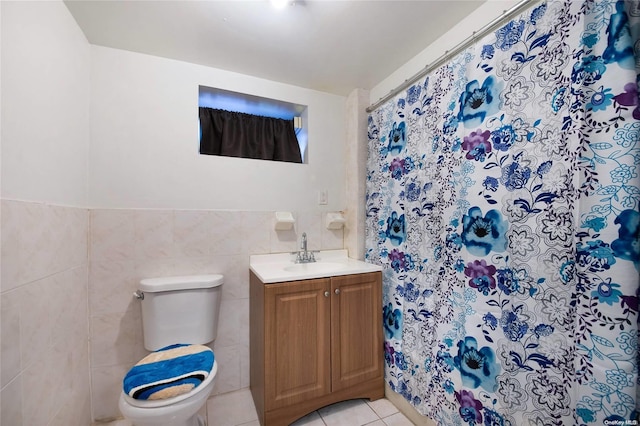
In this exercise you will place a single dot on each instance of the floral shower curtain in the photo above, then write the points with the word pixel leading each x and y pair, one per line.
pixel 503 198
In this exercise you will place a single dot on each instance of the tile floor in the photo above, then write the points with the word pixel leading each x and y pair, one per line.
pixel 232 409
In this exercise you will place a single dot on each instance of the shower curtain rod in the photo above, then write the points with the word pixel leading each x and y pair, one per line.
pixel 448 54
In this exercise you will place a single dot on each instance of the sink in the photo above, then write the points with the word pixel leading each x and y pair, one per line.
pixel 317 267
pixel 279 267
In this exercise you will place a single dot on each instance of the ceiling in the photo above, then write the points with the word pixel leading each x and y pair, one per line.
pixel 330 46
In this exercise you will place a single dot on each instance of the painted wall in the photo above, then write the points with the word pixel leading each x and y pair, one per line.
pixel 44 90
pixel 208 213
pixel 486 13
pixel 144 141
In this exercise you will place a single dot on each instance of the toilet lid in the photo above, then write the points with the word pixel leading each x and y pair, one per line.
pixel 169 372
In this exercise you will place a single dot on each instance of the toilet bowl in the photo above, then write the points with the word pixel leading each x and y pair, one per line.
pixel 177 312
pixel 181 410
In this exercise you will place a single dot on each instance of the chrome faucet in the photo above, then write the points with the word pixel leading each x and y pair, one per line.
pixel 304 255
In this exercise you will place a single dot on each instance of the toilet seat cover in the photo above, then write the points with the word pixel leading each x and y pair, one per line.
pixel 169 372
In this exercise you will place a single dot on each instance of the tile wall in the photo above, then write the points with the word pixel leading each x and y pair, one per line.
pixel 44 329
pixel 356 174
pixel 127 245
pixel 70 328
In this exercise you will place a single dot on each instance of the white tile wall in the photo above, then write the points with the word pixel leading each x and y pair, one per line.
pixel 356 175
pixel 68 318
pixel 44 376
pixel 128 245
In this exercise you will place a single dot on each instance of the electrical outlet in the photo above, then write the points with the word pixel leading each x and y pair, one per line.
pixel 323 197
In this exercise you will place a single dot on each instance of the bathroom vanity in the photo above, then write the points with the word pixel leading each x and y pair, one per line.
pixel 315 334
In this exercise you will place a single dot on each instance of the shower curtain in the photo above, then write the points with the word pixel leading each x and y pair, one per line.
pixel 503 196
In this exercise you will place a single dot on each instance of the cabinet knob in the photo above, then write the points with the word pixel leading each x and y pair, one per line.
pixel 337 291
pixel 326 294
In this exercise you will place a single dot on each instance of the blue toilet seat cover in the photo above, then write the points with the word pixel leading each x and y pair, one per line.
pixel 168 372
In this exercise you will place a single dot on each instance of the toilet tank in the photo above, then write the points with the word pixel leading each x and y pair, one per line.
pixel 180 309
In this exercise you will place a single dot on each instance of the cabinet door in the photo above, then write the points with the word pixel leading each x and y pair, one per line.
pixel 297 346
pixel 356 329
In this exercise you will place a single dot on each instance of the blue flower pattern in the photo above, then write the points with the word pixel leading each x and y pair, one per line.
pixel 477 102
pixel 503 202
pixel 478 367
pixel 483 234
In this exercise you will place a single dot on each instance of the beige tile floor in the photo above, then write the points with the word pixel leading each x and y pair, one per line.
pixel 237 409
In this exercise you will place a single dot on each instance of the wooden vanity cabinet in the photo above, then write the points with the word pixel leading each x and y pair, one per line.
pixel 314 342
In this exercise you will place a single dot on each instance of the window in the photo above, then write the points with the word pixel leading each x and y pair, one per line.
pixel 234 102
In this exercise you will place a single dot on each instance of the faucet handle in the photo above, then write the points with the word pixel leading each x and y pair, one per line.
pixel 298 256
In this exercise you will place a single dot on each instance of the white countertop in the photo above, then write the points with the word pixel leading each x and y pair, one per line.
pixel 273 268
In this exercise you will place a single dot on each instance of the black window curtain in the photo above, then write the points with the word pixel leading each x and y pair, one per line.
pixel 235 134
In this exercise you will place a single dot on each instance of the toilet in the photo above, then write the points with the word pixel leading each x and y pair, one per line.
pixel 170 385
